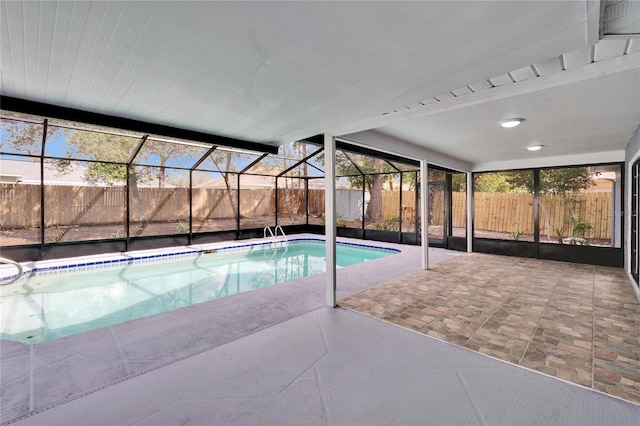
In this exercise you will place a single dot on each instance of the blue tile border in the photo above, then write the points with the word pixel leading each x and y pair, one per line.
pixel 99 264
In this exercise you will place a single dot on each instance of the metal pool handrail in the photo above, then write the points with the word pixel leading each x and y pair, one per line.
pixel 282 232
pixel 264 232
pixel 12 262
pixel 274 237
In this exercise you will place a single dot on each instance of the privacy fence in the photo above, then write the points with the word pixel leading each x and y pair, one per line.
pixel 84 205
pixel 508 212
pixel 514 212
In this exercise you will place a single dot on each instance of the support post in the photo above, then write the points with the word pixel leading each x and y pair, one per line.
pixel 127 201
pixel 190 209
pixel 536 210
pixel 330 215
pixel 45 131
pixel 306 200
pixel 469 212
pixel 400 213
pixel 238 207
pixel 424 212
pixel 276 218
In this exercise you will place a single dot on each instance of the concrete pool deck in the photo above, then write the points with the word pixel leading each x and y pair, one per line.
pixel 338 367
pixel 276 355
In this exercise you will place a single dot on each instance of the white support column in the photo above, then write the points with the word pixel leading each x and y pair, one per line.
pixel 469 212
pixel 424 212
pixel 330 215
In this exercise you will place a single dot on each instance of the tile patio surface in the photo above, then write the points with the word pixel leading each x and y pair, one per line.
pixel 580 323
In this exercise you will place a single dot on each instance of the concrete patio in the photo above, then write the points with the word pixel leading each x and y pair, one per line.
pixel 337 367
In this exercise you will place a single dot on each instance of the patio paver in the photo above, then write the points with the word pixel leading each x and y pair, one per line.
pixel 580 323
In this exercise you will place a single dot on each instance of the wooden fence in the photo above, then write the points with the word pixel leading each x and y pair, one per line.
pixel 507 212
pixel 85 205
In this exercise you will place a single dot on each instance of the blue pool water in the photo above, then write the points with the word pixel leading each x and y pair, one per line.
pixel 45 307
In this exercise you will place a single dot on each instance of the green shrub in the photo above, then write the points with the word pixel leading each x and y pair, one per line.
pixel 516 235
pixel 391 224
pixel 559 234
pixel 580 230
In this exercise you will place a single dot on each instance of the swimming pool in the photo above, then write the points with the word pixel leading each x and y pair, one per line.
pixel 71 298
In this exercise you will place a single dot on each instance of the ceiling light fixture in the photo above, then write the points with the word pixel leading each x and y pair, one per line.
pixel 511 122
pixel 534 147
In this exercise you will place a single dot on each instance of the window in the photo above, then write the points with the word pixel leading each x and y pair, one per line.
pixel 577 205
pixel 20 196
pixel 78 207
pixel 410 207
pixel 214 198
pixel 503 205
pixel 292 202
pixel 158 200
pixel 89 144
pixel 459 205
pixel 257 201
pixel 21 137
pixel 316 201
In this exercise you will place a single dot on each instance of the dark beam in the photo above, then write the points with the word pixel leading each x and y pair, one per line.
pixel 72 114
pixel 344 146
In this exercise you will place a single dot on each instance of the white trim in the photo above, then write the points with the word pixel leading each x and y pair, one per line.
pixel 594 11
pixel 469 212
pixel 330 216
pixel 424 208
pixel 557 161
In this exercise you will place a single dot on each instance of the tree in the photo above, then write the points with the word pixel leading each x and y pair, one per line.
pixel 107 154
pixel 376 172
pixel 293 188
pixel 566 182
pixel 26 138
pixel 459 182
pixel 223 162
pixel 561 181
pixel 492 182
pixel 101 146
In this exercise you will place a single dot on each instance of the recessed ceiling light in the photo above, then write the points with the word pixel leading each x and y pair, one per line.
pixel 535 147
pixel 511 122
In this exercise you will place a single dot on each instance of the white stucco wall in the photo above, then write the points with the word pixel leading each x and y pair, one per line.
pixel 633 149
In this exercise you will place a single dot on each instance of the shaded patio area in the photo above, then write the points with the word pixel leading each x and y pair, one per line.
pixel 580 323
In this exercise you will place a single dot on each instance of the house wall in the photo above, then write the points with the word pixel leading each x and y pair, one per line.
pixel 633 149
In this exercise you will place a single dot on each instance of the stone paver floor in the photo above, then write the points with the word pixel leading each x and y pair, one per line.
pixel 580 323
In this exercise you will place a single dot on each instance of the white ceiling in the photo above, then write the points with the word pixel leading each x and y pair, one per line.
pixel 275 72
pixel 597 115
